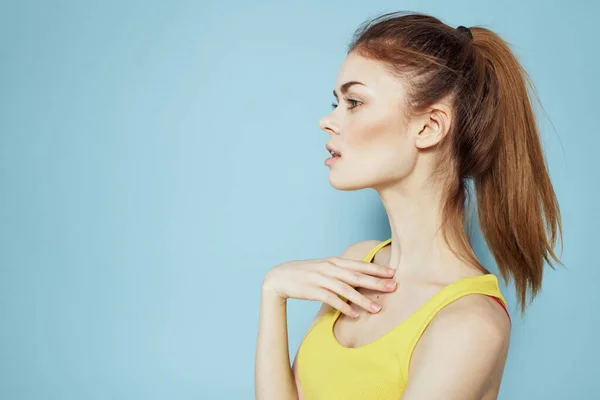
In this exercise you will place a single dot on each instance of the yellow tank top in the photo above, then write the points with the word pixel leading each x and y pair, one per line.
pixel 378 370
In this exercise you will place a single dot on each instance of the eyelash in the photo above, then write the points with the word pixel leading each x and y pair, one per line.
pixel 333 105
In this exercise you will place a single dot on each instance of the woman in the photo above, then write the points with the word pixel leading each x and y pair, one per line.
pixel 423 110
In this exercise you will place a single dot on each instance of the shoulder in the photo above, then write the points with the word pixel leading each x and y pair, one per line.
pixel 358 250
pixel 471 319
pixel 476 319
pixel 479 311
pixel 464 349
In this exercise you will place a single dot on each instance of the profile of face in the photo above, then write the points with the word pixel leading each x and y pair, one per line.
pixel 368 127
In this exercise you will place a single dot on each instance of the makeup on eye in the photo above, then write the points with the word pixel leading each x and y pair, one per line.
pixel 352 101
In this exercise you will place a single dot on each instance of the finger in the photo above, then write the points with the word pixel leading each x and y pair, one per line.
pixel 359 279
pixel 345 290
pixel 334 301
pixel 363 266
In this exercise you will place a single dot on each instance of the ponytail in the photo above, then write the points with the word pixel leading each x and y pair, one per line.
pixel 516 202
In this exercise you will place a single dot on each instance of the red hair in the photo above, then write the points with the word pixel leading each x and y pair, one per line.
pixel 494 140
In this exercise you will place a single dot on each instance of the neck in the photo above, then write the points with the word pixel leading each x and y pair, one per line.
pixel 418 248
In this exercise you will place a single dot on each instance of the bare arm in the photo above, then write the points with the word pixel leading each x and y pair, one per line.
pixel 274 378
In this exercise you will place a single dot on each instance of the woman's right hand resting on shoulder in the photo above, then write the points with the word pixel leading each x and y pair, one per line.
pixel 326 278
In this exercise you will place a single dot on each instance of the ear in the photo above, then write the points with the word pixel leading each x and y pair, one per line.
pixel 433 125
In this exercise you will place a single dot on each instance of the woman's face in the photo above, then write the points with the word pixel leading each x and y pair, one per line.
pixel 368 129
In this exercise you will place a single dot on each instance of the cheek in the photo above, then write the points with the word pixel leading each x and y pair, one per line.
pixel 383 152
pixel 370 134
pixel 391 162
pixel 382 141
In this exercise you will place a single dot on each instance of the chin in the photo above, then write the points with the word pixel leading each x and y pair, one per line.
pixel 344 183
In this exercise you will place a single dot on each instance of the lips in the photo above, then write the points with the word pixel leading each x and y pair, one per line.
pixel 333 151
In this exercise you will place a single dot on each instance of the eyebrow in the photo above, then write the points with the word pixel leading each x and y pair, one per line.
pixel 344 88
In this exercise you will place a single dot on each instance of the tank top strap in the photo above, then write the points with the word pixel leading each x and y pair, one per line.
pixel 371 254
pixel 482 284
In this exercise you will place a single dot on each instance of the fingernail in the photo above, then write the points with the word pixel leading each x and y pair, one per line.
pixel 391 285
pixel 375 307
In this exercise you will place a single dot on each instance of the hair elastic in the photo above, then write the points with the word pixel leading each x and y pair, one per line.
pixel 465 29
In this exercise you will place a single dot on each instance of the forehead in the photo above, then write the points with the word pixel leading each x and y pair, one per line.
pixel 370 72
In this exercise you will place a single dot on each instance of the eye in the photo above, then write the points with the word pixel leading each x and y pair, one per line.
pixel 355 102
pixel 352 101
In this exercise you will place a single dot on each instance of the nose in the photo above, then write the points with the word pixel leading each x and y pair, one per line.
pixel 328 125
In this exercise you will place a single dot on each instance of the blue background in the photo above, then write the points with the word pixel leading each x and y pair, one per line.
pixel 157 158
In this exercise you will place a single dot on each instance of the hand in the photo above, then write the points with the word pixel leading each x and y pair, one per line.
pixel 325 279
